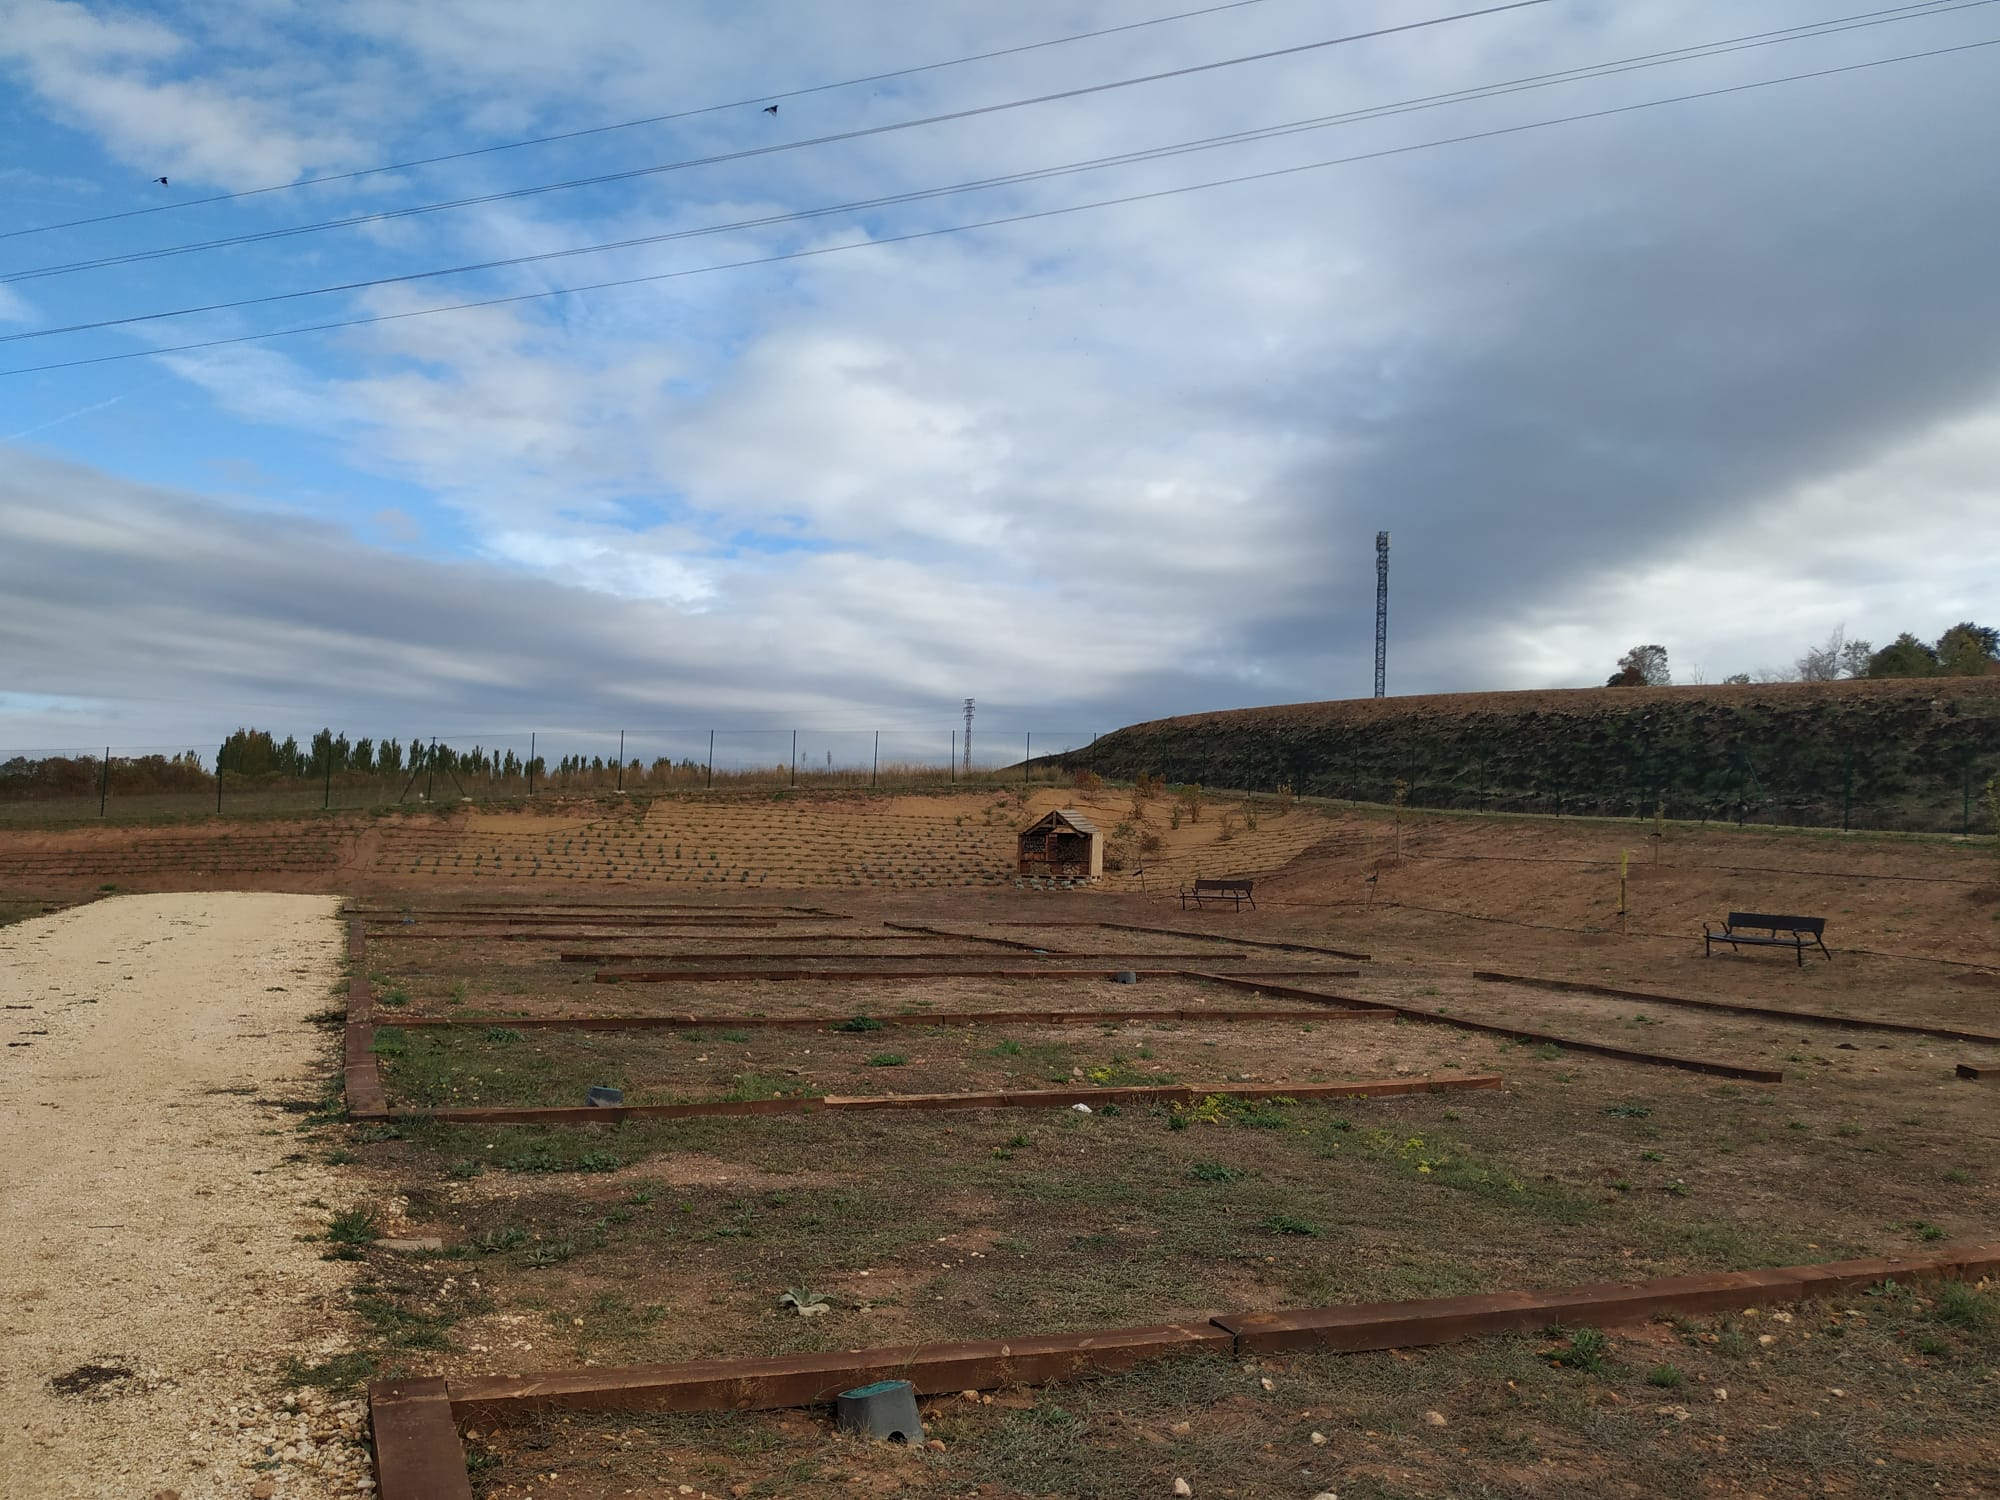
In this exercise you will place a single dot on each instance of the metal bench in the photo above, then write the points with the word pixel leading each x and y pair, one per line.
pixel 1235 892
pixel 1761 930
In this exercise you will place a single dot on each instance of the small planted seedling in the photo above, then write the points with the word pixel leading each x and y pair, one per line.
pixel 805 1302
pixel 888 1060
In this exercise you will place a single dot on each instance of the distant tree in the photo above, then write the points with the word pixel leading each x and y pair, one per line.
pixel 1968 650
pixel 1737 679
pixel 1905 656
pixel 1642 666
pixel 362 756
pixel 1838 658
pixel 249 752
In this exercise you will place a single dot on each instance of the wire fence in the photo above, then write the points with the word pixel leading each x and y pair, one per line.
pixel 1950 790
pixel 259 775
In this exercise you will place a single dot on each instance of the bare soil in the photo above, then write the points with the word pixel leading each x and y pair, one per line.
pixel 666 1241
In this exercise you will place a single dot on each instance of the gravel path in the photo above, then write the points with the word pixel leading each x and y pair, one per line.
pixel 149 1222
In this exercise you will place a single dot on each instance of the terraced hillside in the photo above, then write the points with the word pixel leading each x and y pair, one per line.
pixel 1912 754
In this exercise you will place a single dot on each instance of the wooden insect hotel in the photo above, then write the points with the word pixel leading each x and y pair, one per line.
pixel 1061 845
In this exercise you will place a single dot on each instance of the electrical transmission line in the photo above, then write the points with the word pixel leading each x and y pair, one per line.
pixel 1019 218
pixel 590 130
pixel 861 133
pixel 1695 52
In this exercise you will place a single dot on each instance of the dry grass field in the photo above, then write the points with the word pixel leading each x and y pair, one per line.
pixel 662 1240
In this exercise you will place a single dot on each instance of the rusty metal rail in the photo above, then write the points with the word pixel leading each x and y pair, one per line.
pixel 695 1022
pixel 807 1104
pixel 1513 1033
pixel 1743 1008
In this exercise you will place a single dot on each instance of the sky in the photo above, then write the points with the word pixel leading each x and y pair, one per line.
pixel 1721 373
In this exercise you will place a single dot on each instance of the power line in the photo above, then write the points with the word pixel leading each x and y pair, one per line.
pixel 683 114
pixel 1020 218
pixel 598 180
pixel 1694 52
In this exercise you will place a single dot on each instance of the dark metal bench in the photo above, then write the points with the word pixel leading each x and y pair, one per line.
pixel 1744 927
pixel 1235 892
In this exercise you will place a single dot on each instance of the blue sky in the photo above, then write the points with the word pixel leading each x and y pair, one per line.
pixel 1720 374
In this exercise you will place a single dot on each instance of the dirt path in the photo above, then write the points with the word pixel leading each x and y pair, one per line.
pixel 149 1222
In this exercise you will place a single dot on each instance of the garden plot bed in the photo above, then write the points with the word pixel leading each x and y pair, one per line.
pixel 500 991
pixel 497 1065
pixel 1637 1412
pixel 1804 1051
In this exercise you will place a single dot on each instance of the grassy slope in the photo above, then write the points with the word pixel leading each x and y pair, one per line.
pixel 1898 752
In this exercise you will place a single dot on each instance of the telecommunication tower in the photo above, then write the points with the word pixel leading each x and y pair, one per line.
pixel 968 736
pixel 1381 612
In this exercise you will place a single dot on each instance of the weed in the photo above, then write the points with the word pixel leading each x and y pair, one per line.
pixel 395 997
pixel 599 1161
pixel 859 1023
pixel 341 1372
pixel 554 1253
pixel 1957 1176
pixel 353 1226
pixel 464 1169
pixel 1847 1128
pixel 1965 1306
pixel 735 1036
pixel 1548 1052
pixel 1585 1350
pixel 1667 1377
pixel 1652 1156
pixel 495 1241
pixel 1628 1111
pixel 1931 1344
pixel 1286 1224
pixel 502 1034
pixel 888 1060
pixel 1008 1048
pixel 1677 1187
pixel 1214 1171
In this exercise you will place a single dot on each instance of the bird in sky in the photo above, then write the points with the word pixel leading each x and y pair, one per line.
pixel 770 109
pixel 161 181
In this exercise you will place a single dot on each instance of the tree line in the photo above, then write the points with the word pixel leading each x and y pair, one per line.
pixel 1965 650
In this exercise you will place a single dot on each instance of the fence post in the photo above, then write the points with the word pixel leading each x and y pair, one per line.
pixel 875 770
pixel 430 771
pixel 1027 754
pixel 531 763
pixel 104 783
pixel 621 760
pixel 795 757
pixel 711 760
pixel 953 767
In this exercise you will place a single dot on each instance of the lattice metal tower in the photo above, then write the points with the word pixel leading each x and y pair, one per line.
pixel 1381 612
pixel 968 736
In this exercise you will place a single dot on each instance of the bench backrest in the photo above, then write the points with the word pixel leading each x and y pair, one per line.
pixel 1814 925
pixel 1222 885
